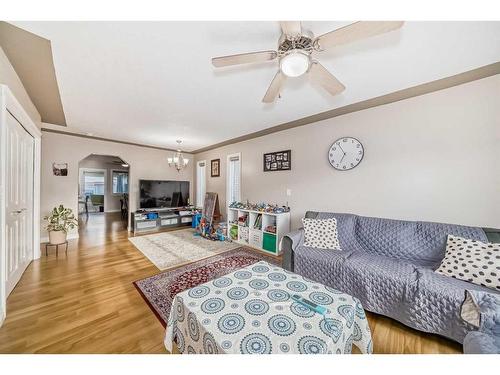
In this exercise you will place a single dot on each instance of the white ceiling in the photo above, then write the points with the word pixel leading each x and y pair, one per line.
pixel 153 82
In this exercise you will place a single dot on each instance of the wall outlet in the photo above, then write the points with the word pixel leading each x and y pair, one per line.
pixel 288 192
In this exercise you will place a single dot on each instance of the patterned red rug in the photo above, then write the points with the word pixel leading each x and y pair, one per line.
pixel 159 290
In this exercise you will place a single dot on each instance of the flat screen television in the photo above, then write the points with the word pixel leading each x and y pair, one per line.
pixel 163 194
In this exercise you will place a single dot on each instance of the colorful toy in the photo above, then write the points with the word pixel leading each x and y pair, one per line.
pixel 270 229
pixel 233 232
pixel 260 207
pixel 196 220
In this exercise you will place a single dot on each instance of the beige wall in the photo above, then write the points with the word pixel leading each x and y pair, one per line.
pixel 111 201
pixel 434 157
pixel 145 163
pixel 9 77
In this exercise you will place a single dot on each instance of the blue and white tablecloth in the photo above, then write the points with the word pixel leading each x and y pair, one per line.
pixel 250 311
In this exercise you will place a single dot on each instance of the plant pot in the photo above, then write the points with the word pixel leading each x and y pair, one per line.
pixel 57 237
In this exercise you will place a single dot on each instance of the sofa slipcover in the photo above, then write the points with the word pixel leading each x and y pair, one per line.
pixel 389 266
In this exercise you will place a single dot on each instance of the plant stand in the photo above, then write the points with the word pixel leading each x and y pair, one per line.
pixel 57 247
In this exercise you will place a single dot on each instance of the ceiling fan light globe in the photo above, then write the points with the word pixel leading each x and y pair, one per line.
pixel 295 64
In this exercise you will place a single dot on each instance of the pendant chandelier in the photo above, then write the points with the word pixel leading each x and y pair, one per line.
pixel 178 161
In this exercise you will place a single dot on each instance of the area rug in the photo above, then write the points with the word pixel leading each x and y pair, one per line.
pixel 160 290
pixel 171 249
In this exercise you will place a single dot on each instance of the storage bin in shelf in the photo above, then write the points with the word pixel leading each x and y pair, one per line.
pixel 243 234
pixel 146 224
pixel 170 221
pixel 269 243
pixel 255 238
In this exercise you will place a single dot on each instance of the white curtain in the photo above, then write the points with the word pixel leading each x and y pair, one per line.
pixel 200 184
pixel 234 173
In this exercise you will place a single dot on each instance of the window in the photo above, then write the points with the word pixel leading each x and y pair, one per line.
pixel 233 178
pixel 201 182
pixel 93 183
pixel 120 182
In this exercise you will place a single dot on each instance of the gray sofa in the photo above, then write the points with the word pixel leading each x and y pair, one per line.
pixel 482 310
pixel 389 265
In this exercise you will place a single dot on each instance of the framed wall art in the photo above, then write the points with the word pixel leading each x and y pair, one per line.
pixel 278 161
pixel 60 169
pixel 215 168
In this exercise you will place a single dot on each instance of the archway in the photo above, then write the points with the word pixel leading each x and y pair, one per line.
pixel 103 188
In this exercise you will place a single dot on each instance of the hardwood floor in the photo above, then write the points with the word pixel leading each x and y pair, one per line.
pixel 85 302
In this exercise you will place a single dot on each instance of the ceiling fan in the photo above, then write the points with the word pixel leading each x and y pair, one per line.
pixel 295 49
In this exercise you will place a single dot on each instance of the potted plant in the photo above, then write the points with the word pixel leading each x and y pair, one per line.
pixel 60 221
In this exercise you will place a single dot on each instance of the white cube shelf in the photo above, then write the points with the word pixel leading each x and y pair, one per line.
pixel 253 232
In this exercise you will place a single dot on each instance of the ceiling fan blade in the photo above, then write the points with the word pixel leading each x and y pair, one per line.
pixel 274 88
pixel 291 28
pixel 244 58
pixel 327 80
pixel 356 31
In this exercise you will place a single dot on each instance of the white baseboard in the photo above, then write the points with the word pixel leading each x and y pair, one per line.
pixel 113 211
pixel 71 236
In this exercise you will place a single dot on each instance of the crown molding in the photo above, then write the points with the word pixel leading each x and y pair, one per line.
pixel 411 92
pixel 47 130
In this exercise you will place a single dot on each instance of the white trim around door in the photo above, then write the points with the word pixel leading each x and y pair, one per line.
pixel 10 108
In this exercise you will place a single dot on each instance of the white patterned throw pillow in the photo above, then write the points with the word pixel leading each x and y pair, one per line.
pixel 473 261
pixel 321 233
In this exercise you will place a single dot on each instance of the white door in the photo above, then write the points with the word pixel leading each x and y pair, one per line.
pixel 201 182
pixel 18 201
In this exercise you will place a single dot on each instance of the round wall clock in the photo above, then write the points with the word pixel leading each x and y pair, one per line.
pixel 345 153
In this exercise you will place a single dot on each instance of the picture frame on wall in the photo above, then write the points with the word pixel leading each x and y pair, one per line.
pixel 278 161
pixel 60 169
pixel 215 168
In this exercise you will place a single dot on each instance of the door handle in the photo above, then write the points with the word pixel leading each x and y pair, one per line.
pixel 19 211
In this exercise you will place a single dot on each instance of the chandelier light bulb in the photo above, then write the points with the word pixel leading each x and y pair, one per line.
pixel 178 161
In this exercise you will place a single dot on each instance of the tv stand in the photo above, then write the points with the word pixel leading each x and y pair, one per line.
pixel 154 219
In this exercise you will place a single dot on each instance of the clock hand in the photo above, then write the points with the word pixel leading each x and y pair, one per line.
pixel 341 149
pixel 342 158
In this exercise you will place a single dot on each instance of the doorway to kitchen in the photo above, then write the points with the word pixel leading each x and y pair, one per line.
pixel 103 186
